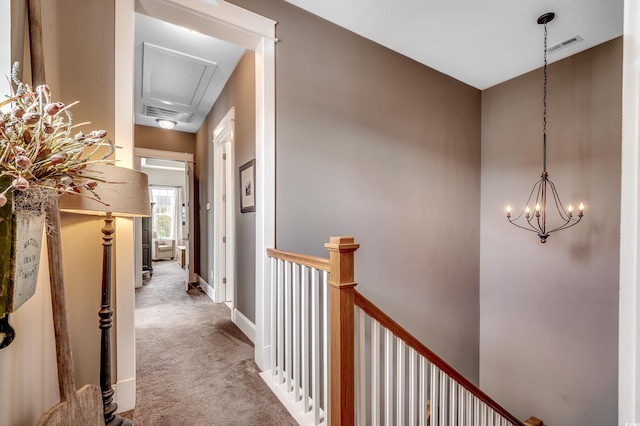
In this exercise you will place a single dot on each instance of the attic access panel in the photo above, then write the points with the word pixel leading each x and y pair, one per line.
pixel 173 78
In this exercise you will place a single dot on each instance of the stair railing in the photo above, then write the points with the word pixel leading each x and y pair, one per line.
pixel 338 359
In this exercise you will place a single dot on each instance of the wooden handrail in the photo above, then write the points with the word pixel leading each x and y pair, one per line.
pixel 374 312
pixel 310 261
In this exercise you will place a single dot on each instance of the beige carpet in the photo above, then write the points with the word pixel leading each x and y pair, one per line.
pixel 194 366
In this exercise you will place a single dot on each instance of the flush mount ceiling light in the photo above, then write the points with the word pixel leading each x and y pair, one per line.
pixel 536 221
pixel 166 124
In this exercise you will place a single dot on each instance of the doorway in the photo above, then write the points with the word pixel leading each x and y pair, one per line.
pixel 257 33
pixel 223 237
pixel 170 191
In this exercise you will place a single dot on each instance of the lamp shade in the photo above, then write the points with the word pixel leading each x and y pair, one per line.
pixel 122 192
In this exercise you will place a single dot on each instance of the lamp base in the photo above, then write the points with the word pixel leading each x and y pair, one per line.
pixel 120 421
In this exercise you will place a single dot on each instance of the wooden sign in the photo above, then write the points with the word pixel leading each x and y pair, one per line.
pixel 20 245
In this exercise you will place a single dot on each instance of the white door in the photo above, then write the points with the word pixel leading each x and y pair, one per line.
pixel 223 261
pixel 187 219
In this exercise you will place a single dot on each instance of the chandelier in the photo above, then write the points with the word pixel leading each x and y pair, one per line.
pixel 544 196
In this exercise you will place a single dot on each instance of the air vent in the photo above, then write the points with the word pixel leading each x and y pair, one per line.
pixel 169 114
pixel 568 42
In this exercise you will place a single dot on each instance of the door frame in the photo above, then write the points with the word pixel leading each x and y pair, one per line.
pixel 223 140
pixel 189 159
pixel 236 25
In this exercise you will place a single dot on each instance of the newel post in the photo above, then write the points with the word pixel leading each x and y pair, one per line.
pixel 341 290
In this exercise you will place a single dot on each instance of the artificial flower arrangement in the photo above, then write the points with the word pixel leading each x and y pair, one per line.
pixel 40 156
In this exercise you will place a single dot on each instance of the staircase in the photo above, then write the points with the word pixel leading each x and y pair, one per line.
pixel 337 359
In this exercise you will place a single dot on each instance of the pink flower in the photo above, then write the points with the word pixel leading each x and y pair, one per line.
pixel 47 128
pixel 79 136
pixel 91 184
pixel 3 200
pixel 20 183
pixel 23 161
pixel 17 111
pixel 53 108
pixel 30 117
pixel 18 150
pixel 98 134
pixel 57 159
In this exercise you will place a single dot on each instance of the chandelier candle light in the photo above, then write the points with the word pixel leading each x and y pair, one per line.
pixel 537 221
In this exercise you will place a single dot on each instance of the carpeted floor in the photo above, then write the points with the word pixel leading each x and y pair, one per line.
pixel 194 366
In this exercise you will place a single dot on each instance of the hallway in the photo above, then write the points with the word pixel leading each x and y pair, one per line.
pixel 194 366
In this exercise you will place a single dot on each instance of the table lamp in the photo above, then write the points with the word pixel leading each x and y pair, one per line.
pixel 122 193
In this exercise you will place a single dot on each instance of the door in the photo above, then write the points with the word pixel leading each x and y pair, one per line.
pixel 223 261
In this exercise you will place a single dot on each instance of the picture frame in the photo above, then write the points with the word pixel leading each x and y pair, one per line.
pixel 248 187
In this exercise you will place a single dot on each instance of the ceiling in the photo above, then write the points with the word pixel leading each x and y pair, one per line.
pixel 481 43
pixel 179 73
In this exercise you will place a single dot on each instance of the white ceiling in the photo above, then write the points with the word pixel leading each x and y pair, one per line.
pixel 179 73
pixel 479 42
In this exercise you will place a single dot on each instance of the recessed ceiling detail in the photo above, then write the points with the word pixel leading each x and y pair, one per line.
pixel 174 78
pixel 168 114
pixel 179 74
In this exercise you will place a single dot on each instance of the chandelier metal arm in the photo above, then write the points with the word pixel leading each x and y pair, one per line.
pixel 536 221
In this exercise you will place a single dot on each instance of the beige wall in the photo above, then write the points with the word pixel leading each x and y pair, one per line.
pixel 374 145
pixel 77 68
pixel 239 93
pixel 548 339
pixel 28 365
pixel 165 140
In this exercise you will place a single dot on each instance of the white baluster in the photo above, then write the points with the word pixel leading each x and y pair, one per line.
pixel 375 373
pixel 453 401
pixel 315 350
pixel 274 314
pixel 281 310
pixel 400 378
pixel 423 394
pixel 305 339
pixel 327 360
pixel 287 326
pixel 442 400
pixel 476 411
pixel 360 368
pixel 388 377
pixel 296 333
pixel 413 393
pixel 434 393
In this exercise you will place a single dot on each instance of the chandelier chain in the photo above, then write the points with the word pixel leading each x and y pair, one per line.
pixel 544 107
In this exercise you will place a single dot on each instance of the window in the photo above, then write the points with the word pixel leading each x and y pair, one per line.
pixel 164 201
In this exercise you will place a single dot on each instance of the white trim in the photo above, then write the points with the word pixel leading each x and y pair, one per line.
pixel 124 391
pixel 295 409
pixel 165 155
pixel 244 324
pixel 206 287
pixel 125 271
pixel 265 193
pixel 629 297
pixel 223 140
pixel 236 25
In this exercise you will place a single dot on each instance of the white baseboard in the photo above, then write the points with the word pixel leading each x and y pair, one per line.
pixel 206 287
pixel 295 409
pixel 125 395
pixel 244 324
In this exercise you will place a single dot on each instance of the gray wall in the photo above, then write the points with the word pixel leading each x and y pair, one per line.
pixel 239 93
pixel 549 313
pixel 374 145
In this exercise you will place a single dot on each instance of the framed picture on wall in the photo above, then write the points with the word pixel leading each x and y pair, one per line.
pixel 248 187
